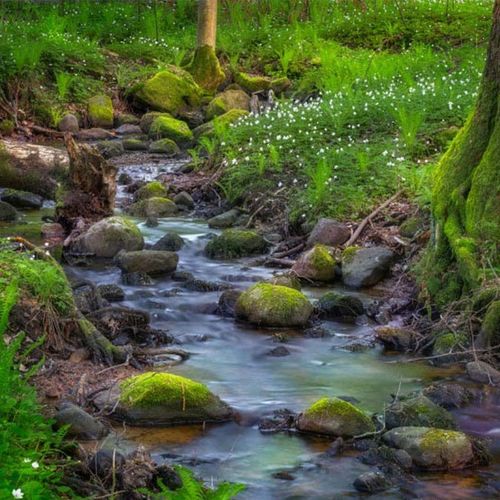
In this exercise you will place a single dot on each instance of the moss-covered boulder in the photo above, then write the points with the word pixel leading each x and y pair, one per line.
pixel 419 411
pixel 206 69
pixel 110 149
pixel 21 199
pixel 153 207
pixel 226 101
pixel 7 212
pixel 100 111
pixel 133 144
pixel 170 90
pixel 152 262
pixel 274 306
pixel 258 83
pixel 317 264
pixel 433 449
pixel 147 120
pixel 164 147
pixel 150 190
pixel 108 237
pixel 335 417
pixel 162 399
pixel 340 307
pixel 235 243
pixel 363 267
pixel 228 118
pixel 489 335
pixel 168 127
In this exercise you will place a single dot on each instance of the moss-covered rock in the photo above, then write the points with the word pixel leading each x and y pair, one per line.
pixel 170 90
pixel 288 280
pixel 224 220
pixel 150 190
pixel 100 111
pixel 164 147
pixel 226 119
pixel 317 264
pixel 152 262
pixel 417 412
pixel 7 127
pixel 258 83
pixel 21 199
pixel 108 237
pixel 395 338
pixel 132 144
pixel 153 207
pixel 227 100
pixel 167 127
pixel 490 328
pixel 335 417
pixel 206 69
pixel 235 243
pixel 159 399
pixel 340 307
pixel 273 305
pixel 433 449
pixel 110 149
pixel 169 241
pixel 7 212
pixel 147 120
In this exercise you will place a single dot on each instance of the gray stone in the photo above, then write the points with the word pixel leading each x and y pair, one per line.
pixel 128 129
pixel 111 293
pixel 328 232
pixel 224 220
pixel 81 424
pixel 365 267
pixel 171 242
pixel 449 394
pixel 184 199
pixel 69 123
pixel 21 199
pixel 94 134
pixel 152 262
pixel 371 482
pixel 110 149
pixel 340 307
pixel 135 145
pixel 482 372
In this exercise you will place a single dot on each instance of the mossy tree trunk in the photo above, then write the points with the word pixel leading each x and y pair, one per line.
pixel 205 66
pixel 465 202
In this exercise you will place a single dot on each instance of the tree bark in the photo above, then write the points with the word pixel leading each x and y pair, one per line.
pixel 207 23
pixel 466 200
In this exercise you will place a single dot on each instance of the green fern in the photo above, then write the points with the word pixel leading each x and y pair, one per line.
pixel 7 302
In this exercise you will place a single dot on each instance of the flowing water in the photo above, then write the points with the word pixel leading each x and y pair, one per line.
pixel 232 359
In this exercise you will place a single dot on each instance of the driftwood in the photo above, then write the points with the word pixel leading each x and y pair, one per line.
pixel 90 188
pixel 367 219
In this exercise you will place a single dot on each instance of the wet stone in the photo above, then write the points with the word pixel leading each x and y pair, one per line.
pixel 277 421
pixel 112 293
pixel 278 352
pixel 371 482
pixel 137 279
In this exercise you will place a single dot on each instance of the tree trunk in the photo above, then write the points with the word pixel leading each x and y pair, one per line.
pixel 205 66
pixel 466 201
pixel 89 191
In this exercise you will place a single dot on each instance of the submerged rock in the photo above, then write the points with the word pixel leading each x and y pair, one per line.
pixel 21 199
pixel 158 399
pixel 417 412
pixel 316 264
pixel 328 232
pixel 335 417
pixel 152 262
pixel 362 267
pixel 227 302
pixel 273 305
pixel 235 243
pixel 137 279
pixel 340 307
pixel 81 424
pixel 111 293
pixel 108 237
pixel 433 449
pixel 372 482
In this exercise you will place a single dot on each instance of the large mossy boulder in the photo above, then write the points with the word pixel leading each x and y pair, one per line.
pixel 21 199
pixel 162 399
pixel 7 212
pixel 153 207
pixel 108 237
pixel 226 101
pixel 335 417
pixel 270 305
pixel 152 262
pixel 171 90
pixel 168 127
pixel 100 111
pixel 151 190
pixel 235 243
pixel 333 305
pixel 433 449
pixel 363 267
pixel 317 264
pixel 419 411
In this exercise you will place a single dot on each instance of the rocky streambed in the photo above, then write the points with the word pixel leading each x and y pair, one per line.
pixel 287 396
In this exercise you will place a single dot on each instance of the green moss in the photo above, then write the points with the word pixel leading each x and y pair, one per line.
pixel 349 253
pixel 168 127
pixel 483 298
pixel 150 190
pixel 135 145
pixel 216 107
pixel 151 389
pixel 231 116
pixel 449 342
pixel 410 227
pixel 100 110
pixel 273 305
pixel 322 260
pixel 7 127
pixel 434 440
pixel 206 69
pixel 229 99
pixel 235 243
pixel 253 83
pixel 279 85
pixel 490 329
pixel 171 90
pixel 331 408
pixel 164 146
pixel 153 207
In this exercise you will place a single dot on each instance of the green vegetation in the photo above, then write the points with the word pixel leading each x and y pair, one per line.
pixel 29 458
